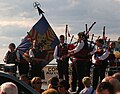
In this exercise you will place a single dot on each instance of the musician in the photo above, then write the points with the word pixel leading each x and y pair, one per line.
pixel 23 65
pixel 11 56
pixel 73 71
pixel 100 62
pixel 111 58
pixel 37 55
pixel 82 59
pixel 60 54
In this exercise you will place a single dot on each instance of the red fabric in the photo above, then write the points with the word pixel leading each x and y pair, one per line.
pixel 71 46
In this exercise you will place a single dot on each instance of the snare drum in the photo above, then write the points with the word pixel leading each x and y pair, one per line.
pixel 10 68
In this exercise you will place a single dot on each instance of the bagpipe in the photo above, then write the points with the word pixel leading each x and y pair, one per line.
pixel 108 46
pixel 83 36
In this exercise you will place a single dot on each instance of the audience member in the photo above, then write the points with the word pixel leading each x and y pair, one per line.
pixel 113 81
pixel 53 83
pixel 8 88
pixel 116 75
pixel 37 84
pixel 88 89
pixel 63 87
pixel 105 88
pixel 50 91
pixel 116 84
pixel 107 78
pixel 25 79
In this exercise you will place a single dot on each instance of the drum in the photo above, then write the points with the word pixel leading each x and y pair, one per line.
pixel 2 67
pixel 10 68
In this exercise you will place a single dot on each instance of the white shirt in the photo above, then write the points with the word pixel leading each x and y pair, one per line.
pixel 79 46
pixel 56 52
pixel 102 57
pixel 31 53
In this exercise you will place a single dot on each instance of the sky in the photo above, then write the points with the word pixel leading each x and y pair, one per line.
pixel 18 16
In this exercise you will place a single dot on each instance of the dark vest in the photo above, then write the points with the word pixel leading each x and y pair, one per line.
pixel 111 59
pixel 11 57
pixel 62 50
pixel 39 54
pixel 83 53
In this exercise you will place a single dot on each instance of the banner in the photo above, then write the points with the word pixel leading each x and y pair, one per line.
pixel 44 34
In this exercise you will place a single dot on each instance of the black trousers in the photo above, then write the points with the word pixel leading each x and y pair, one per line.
pixel 63 67
pixel 74 77
pixel 23 68
pixel 98 72
pixel 35 70
pixel 83 69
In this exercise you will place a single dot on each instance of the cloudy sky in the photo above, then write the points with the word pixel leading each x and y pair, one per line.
pixel 18 16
